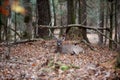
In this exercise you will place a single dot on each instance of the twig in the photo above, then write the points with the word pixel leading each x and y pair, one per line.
pixel 88 44
pixel 15 32
pixel 107 37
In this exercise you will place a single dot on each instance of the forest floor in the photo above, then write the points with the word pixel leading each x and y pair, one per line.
pixel 93 38
pixel 38 61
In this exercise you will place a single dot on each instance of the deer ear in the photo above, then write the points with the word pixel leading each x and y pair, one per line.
pixel 63 38
pixel 55 38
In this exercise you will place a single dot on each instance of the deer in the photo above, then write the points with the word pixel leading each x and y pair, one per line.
pixel 67 48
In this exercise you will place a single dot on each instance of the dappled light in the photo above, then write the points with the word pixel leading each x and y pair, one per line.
pixel 13 5
pixel 17 8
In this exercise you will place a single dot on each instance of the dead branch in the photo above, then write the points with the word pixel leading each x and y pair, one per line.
pixel 72 25
pixel 15 32
pixel 88 44
pixel 20 41
pixel 107 37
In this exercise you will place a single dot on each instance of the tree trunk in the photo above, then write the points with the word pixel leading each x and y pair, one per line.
pixel 106 21
pixel 83 18
pixel 54 12
pixel 15 28
pixel 111 25
pixel 28 19
pixel 44 17
pixel 118 18
pixel 101 21
pixel 3 20
pixel 116 27
pixel 0 23
pixel 0 27
pixel 118 24
pixel 70 13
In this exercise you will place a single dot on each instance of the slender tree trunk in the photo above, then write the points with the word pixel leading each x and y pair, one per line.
pixel 0 27
pixel 118 17
pixel 44 17
pixel 28 19
pixel 61 19
pixel 106 21
pixel 111 25
pixel 54 12
pixel 0 32
pixel 118 25
pixel 70 13
pixel 0 22
pixel 36 27
pixel 15 27
pixel 7 50
pixel 101 21
pixel 83 18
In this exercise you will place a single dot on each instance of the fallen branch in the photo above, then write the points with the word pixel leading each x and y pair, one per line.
pixel 72 25
pixel 20 41
pixel 15 32
pixel 107 37
pixel 88 44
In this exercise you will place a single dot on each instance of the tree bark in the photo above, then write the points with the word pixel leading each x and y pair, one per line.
pixel 0 23
pixel 44 17
pixel 70 13
pixel 101 21
pixel 118 24
pixel 0 27
pixel 111 25
pixel 28 19
pixel 106 21
pixel 116 27
pixel 82 18
pixel 54 11
pixel 118 18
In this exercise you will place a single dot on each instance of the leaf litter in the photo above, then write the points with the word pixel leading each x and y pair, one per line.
pixel 38 61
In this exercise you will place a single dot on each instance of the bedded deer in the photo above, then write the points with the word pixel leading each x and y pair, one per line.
pixel 67 48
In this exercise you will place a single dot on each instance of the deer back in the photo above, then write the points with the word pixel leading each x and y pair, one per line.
pixel 70 49
pixel 67 48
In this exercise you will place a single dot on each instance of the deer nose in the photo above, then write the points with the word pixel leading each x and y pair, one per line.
pixel 58 44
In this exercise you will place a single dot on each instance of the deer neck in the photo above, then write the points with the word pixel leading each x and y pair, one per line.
pixel 59 48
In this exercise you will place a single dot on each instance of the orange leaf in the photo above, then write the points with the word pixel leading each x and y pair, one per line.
pixel 4 11
pixel 34 64
pixel 2 8
pixel 6 3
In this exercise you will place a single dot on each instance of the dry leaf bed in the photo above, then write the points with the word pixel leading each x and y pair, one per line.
pixel 37 61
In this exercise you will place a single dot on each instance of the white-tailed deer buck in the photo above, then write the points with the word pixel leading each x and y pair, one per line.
pixel 67 48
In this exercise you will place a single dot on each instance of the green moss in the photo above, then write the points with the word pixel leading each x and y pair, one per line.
pixel 64 67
